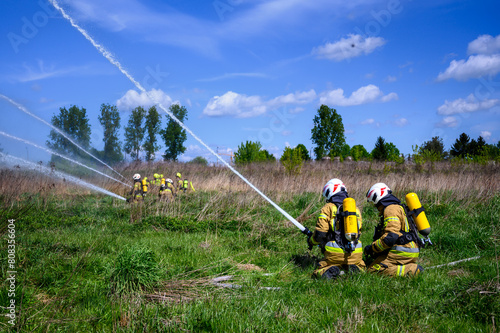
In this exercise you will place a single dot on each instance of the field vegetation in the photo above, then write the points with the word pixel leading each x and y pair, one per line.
pixel 221 259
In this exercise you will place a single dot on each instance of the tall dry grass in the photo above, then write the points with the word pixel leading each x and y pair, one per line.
pixel 437 181
pixel 458 181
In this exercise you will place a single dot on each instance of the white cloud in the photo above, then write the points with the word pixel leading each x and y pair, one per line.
pixel 368 121
pixel 298 109
pixel 486 135
pixel 484 44
pixel 391 79
pixel 43 71
pixel 468 105
pixel 401 122
pixel 363 95
pixel 293 98
pixel 166 25
pixel 243 106
pixel 474 67
pixel 236 105
pixel 133 99
pixel 448 122
pixel 350 47
pixel 389 97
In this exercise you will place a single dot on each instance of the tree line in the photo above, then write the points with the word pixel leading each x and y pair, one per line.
pixel 141 134
pixel 329 141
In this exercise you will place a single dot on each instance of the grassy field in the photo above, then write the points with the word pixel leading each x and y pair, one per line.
pixel 223 260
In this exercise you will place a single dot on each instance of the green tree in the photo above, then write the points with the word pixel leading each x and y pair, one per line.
pixel 327 133
pixel 358 152
pixel 461 146
pixel 110 121
pixel 491 152
pixel 266 156
pixel 304 154
pixel 292 160
pixel 249 152
pixel 379 153
pixel 392 152
pixel 153 125
pixel 432 150
pixel 75 124
pixel 134 133
pixel 199 160
pixel 174 135
pixel 475 148
pixel 345 151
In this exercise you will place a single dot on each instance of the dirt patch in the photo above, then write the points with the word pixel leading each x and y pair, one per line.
pixel 249 267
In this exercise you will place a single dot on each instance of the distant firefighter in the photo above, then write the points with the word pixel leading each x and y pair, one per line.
pixel 180 183
pixel 137 192
pixel 186 185
pixel 157 179
pixel 166 190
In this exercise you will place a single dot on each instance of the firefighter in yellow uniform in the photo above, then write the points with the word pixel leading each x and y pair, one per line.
pixel 166 190
pixel 394 250
pixel 341 255
pixel 157 180
pixel 137 191
pixel 137 197
pixel 180 183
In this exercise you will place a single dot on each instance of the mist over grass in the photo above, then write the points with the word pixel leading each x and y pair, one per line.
pixel 85 265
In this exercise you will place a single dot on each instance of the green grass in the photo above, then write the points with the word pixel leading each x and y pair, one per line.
pixel 83 266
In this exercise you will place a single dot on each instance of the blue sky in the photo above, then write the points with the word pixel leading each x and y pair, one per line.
pixel 258 70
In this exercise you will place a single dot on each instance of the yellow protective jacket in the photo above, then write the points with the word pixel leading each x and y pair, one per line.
pixel 324 235
pixel 136 191
pixel 387 241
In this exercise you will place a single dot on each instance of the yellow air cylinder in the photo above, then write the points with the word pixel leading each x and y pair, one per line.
pixel 163 181
pixel 351 231
pixel 420 219
pixel 144 186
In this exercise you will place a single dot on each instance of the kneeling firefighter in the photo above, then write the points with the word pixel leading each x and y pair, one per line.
pixel 337 233
pixel 396 244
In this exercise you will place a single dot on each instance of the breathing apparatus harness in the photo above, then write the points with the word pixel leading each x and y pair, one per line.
pixel 336 231
pixel 407 236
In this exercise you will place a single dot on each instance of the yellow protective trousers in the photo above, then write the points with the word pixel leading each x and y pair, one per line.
pixel 336 256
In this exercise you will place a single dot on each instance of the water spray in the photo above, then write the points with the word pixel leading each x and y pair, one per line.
pixel 60 155
pixel 115 62
pixel 22 108
pixel 16 161
pixel 453 263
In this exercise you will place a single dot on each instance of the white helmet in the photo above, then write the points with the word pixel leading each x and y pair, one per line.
pixel 333 187
pixel 168 180
pixel 137 176
pixel 377 192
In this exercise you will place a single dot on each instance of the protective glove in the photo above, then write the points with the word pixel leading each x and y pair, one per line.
pixel 309 234
pixel 368 251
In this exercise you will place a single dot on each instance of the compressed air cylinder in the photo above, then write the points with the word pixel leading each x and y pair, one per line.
pixel 163 181
pixel 144 186
pixel 421 221
pixel 351 231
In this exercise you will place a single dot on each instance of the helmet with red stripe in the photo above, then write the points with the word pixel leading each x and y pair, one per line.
pixel 377 192
pixel 333 187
